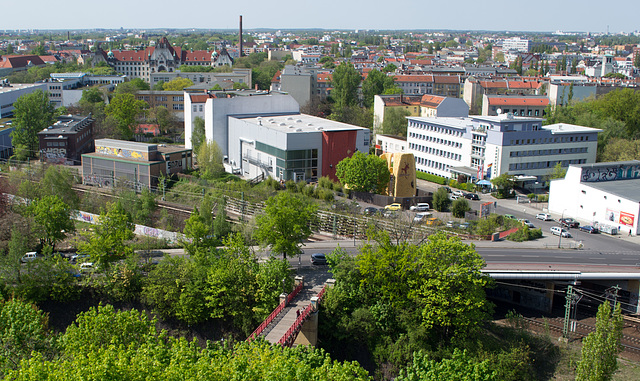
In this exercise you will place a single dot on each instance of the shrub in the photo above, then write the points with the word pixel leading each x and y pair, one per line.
pixel 460 207
pixel 433 178
pixel 325 182
pixel 300 186
pixel 291 186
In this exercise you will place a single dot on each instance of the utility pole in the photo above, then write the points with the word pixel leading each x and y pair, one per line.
pixel 567 312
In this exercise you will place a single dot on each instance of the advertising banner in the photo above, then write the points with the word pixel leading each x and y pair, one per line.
pixel 627 219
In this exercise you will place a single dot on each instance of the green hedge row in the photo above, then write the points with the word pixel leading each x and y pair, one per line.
pixel 444 181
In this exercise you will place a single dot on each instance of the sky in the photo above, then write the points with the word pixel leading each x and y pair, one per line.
pixel 540 15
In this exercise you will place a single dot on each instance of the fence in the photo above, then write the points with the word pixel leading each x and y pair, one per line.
pixel 275 312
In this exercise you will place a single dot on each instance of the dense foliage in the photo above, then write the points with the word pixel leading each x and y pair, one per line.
pixel 364 173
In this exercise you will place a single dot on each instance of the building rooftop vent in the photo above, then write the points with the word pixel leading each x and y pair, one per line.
pixel 282 124
pixel 299 130
pixel 299 121
pixel 319 128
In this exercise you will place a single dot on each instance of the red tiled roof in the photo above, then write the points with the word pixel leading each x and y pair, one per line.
pixel 404 100
pixel 421 62
pixel 16 61
pixel 324 77
pixel 493 84
pixel 454 79
pixel 431 100
pixel 524 85
pixel 413 78
pixel 276 77
pixel 197 56
pixel 518 101
pixel 199 98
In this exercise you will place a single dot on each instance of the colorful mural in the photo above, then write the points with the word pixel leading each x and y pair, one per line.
pixel 119 152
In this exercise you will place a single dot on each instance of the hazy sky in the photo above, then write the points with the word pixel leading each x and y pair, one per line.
pixel 536 15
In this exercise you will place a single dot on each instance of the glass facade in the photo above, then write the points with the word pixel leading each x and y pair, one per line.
pixel 292 164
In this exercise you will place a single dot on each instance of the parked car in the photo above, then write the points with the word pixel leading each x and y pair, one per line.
pixel 394 206
pixel 318 259
pixel 464 226
pixel 544 217
pixel 558 231
pixel 589 229
pixel 28 257
pixel 458 193
pixel 446 188
pixel 390 214
pixel 569 222
pixel 450 224
pixel 454 196
pixel 527 223
pixel 510 216
pixel 471 196
pixel 371 211
pixel 420 207
pixel 421 217
pixel 77 257
pixel 87 266
pixel 432 221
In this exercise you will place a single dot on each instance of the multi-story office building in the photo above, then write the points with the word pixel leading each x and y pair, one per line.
pixel 488 146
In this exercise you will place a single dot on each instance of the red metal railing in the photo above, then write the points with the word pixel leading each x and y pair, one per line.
pixel 275 312
pixel 289 337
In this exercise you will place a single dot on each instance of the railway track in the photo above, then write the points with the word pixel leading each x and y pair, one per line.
pixel 628 343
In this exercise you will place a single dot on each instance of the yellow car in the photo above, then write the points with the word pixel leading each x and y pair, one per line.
pixel 394 206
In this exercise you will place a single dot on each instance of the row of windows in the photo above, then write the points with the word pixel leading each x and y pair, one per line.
pixel 436 152
pixel 57 144
pixel 564 139
pixel 544 164
pixel 559 151
pixel 197 107
pixel 440 130
pixel 178 106
pixel 435 140
pixel 522 112
pixel 432 164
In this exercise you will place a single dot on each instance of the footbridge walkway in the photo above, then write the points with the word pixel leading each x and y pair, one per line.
pixel 297 313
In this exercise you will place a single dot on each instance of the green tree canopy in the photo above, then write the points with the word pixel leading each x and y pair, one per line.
pixel 209 160
pixel 395 122
pixel 198 135
pixel 376 83
pixel 107 243
pixel 177 84
pixel 285 223
pixel 125 109
pixel 32 114
pixel 441 200
pixel 364 173
pixel 53 219
pixel 459 207
pixel 345 82
pixel 599 356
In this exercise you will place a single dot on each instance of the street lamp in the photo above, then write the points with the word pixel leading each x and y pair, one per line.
pixel 560 235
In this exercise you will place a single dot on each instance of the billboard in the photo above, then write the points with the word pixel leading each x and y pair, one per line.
pixel 618 217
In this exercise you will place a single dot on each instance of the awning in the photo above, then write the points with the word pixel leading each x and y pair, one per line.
pixel 468 171
pixel 483 182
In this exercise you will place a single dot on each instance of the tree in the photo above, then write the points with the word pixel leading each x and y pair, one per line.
pixel 618 149
pixel 197 231
pixel 58 181
pixel 599 356
pixel 32 114
pixel 449 287
pixel 376 83
pixel 210 160
pixel 53 220
pixel 364 173
pixel 177 84
pixel 285 223
pixel 345 82
pixel 395 122
pixel 124 108
pixel 92 95
pixel 504 183
pixel 460 207
pixel 460 367
pixel 164 118
pixel 557 172
pixel 107 243
pixel 198 135
pixel 441 200
pixel 636 59
pixel 23 330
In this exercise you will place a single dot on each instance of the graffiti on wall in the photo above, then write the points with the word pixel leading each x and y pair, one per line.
pixel 610 173
pixel 119 152
pixel 100 181
pixel 54 155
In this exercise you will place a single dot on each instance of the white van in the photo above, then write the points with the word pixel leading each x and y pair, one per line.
pixel 420 207
pixel 28 257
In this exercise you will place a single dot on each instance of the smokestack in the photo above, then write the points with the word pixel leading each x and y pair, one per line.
pixel 240 35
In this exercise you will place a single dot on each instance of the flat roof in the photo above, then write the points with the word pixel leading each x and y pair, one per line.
pixel 114 143
pixel 607 164
pixel 300 123
pixel 453 122
pixel 627 189
pixel 19 86
pixel 566 128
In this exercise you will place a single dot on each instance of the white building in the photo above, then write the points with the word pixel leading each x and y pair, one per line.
pixel 488 146
pixel 292 147
pixel 219 106
pixel 9 93
pixel 517 44
pixel 601 194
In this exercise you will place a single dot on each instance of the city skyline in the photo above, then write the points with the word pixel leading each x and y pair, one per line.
pixel 541 16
